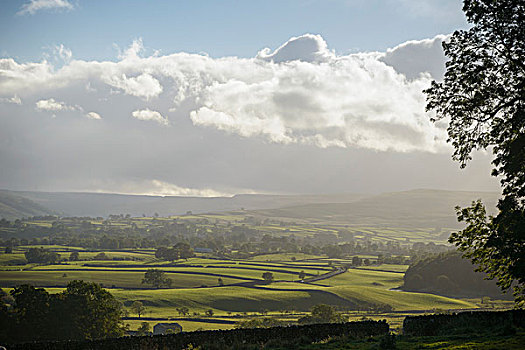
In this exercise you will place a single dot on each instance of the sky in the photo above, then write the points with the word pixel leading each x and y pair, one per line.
pixel 212 98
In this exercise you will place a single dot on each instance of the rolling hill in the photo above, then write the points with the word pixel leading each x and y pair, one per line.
pixel 419 208
pixel 415 208
pixel 104 204
pixel 14 206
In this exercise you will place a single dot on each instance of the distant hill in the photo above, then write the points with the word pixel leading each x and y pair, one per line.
pixel 14 206
pixel 104 204
pixel 416 208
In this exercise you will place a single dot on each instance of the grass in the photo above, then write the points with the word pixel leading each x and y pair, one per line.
pixel 387 267
pixel 401 301
pixel 366 278
pixel 104 277
pixel 283 257
pixel 187 325
pixel 355 288
pixel 464 342
pixel 241 299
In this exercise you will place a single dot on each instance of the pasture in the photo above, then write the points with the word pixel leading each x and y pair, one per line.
pixel 242 293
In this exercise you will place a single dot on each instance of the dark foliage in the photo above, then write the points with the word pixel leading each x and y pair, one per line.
pixel 323 314
pixel 237 338
pixel 41 256
pixel 157 278
pixel 181 250
pixel 495 322
pixel 483 96
pixel 82 311
pixel 449 274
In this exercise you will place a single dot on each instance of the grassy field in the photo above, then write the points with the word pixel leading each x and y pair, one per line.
pixel 196 286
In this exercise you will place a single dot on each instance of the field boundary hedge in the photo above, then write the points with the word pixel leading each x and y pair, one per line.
pixel 463 322
pixel 309 333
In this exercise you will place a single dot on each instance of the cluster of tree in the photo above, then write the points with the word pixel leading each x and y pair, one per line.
pixel 267 276
pixel 41 256
pixel 449 274
pixel 227 238
pixel 323 313
pixel 181 250
pixel 82 311
pixel 157 278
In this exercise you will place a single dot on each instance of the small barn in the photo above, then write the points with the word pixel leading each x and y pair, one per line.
pixel 166 328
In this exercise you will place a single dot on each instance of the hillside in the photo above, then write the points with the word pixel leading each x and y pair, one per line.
pixel 14 206
pixel 104 204
pixel 415 208
pixel 451 275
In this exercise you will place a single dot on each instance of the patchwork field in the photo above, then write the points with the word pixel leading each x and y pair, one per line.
pixel 363 291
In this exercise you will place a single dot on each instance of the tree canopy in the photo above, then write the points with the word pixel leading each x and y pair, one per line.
pixel 483 98
pixel 138 307
pixel 41 256
pixel 82 311
pixel 157 278
pixel 267 276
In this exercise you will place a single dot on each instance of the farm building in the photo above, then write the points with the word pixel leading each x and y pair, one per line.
pixel 165 328
pixel 202 250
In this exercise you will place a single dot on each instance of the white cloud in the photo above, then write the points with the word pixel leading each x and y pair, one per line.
pixel 155 188
pixel 63 52
pixel 300 93
pixel 146 114
pixel 162 188
pixel 33 6
pixel 412 58
pixel 52 105
pixel 144 85
pixel 306 48
pixel 93 115
pixel 134 50
pixel 14 100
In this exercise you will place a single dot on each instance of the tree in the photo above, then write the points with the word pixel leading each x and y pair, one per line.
pixel 82 311
pixel 87 311
pixel 144 329
pixel 356 261
pixel 101 256
pixel 183 311
pixel 31 308
pixel 74 256
pixel 322 314
pixel 41 256
pixel 157 278
pixel 302 275
pixel 268 277
pixel 483 96
pixel 209 313
pixel 138 308
pixel 183 250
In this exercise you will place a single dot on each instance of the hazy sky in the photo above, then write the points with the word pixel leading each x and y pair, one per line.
pixel 223 97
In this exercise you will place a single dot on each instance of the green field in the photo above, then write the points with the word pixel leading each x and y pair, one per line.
pixel 196 286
